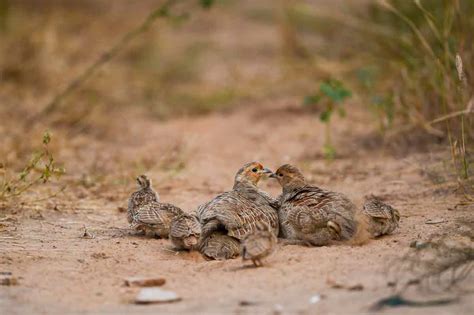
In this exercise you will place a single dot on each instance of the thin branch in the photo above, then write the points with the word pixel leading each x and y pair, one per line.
pixel 161 11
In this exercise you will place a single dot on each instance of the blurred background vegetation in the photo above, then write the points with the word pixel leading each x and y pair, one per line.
pixel 407 63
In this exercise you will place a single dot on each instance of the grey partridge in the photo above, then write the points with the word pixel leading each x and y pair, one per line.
pixel 145 194
pixel 258 244
pixel 235 213
pixel 312 215
pixel 185 231
pixel 381 218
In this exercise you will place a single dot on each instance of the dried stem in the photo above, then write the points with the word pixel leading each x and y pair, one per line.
pixel 161 11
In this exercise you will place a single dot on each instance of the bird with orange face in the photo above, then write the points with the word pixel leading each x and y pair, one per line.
pixel 235 213
pixel 312 215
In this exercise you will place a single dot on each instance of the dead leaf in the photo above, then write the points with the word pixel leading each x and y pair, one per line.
pixel 435 221
pixel 144 282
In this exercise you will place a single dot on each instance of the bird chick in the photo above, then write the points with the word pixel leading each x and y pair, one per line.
pixel 312 215
pixel 145 194
pixel 381 218
pixel 258 244
pixel 236 212
pixel 220 246
pixel 185 231
pixel 155 218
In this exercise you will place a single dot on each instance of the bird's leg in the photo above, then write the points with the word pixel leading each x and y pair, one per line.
pixel 254 261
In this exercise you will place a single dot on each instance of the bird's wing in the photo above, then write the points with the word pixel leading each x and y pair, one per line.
pixel 310 208
pixel 157 213
pixel 220 246
pixel 237 213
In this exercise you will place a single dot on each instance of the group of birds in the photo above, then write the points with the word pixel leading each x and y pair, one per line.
pixel 247 221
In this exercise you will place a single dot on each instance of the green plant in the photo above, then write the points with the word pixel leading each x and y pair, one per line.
pixel 416 47
pixel 381 104
pixel 331 97
pixel 41 169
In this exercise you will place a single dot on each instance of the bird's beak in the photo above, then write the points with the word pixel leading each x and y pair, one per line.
pixel 267 171
pixel 273 175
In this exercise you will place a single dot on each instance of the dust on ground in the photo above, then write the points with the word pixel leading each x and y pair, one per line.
pixel 190 160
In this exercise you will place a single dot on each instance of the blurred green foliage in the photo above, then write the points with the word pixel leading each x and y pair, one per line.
pixel 330 97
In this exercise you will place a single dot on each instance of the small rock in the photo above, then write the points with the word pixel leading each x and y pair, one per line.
pixel 277 309
pixel 315 299
pixel 356 287
pixel 87 234
pixel 247 303
pixel 435 221
pixel 121 209
pixel 335 285
pixel 156 295
pixel 418 244
pixel 99 255
pixel 8 280
pixel 144 282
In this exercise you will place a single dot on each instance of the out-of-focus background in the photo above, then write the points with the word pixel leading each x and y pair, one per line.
pixel 407 63
pixel 364 96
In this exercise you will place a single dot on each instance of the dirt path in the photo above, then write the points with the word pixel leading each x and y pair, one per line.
pixel 191 160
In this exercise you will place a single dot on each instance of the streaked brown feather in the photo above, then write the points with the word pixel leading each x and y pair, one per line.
pixel 185 231
pixel 258 244
pixel 157 217
pixel 220 246
pixel 382 218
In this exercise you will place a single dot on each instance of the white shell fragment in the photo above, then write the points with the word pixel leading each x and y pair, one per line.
pixel 156 295
pixel 315 299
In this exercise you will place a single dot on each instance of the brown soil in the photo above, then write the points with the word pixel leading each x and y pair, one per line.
pixel 190 161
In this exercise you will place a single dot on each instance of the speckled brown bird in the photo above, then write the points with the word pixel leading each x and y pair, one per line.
pixel 381 218
pixel 258 244
pixel 312 215
pixel 220 246
pixel 236 212
pixel 155 217
pixel 185 231
pixel 145 194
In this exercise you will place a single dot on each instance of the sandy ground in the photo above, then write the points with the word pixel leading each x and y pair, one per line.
pixel 59 272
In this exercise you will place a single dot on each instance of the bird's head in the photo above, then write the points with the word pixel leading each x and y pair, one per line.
pixel 143 182
pixel 289 177
pixel 251 173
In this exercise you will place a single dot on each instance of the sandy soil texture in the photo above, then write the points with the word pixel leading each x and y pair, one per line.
pixel 190 160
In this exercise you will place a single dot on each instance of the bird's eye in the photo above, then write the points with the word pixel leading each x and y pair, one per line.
pixel 281 175
pixel 254 170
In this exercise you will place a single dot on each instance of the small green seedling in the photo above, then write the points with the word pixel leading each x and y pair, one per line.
pixel 380 104
pixel 39 170
pixel 331 96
